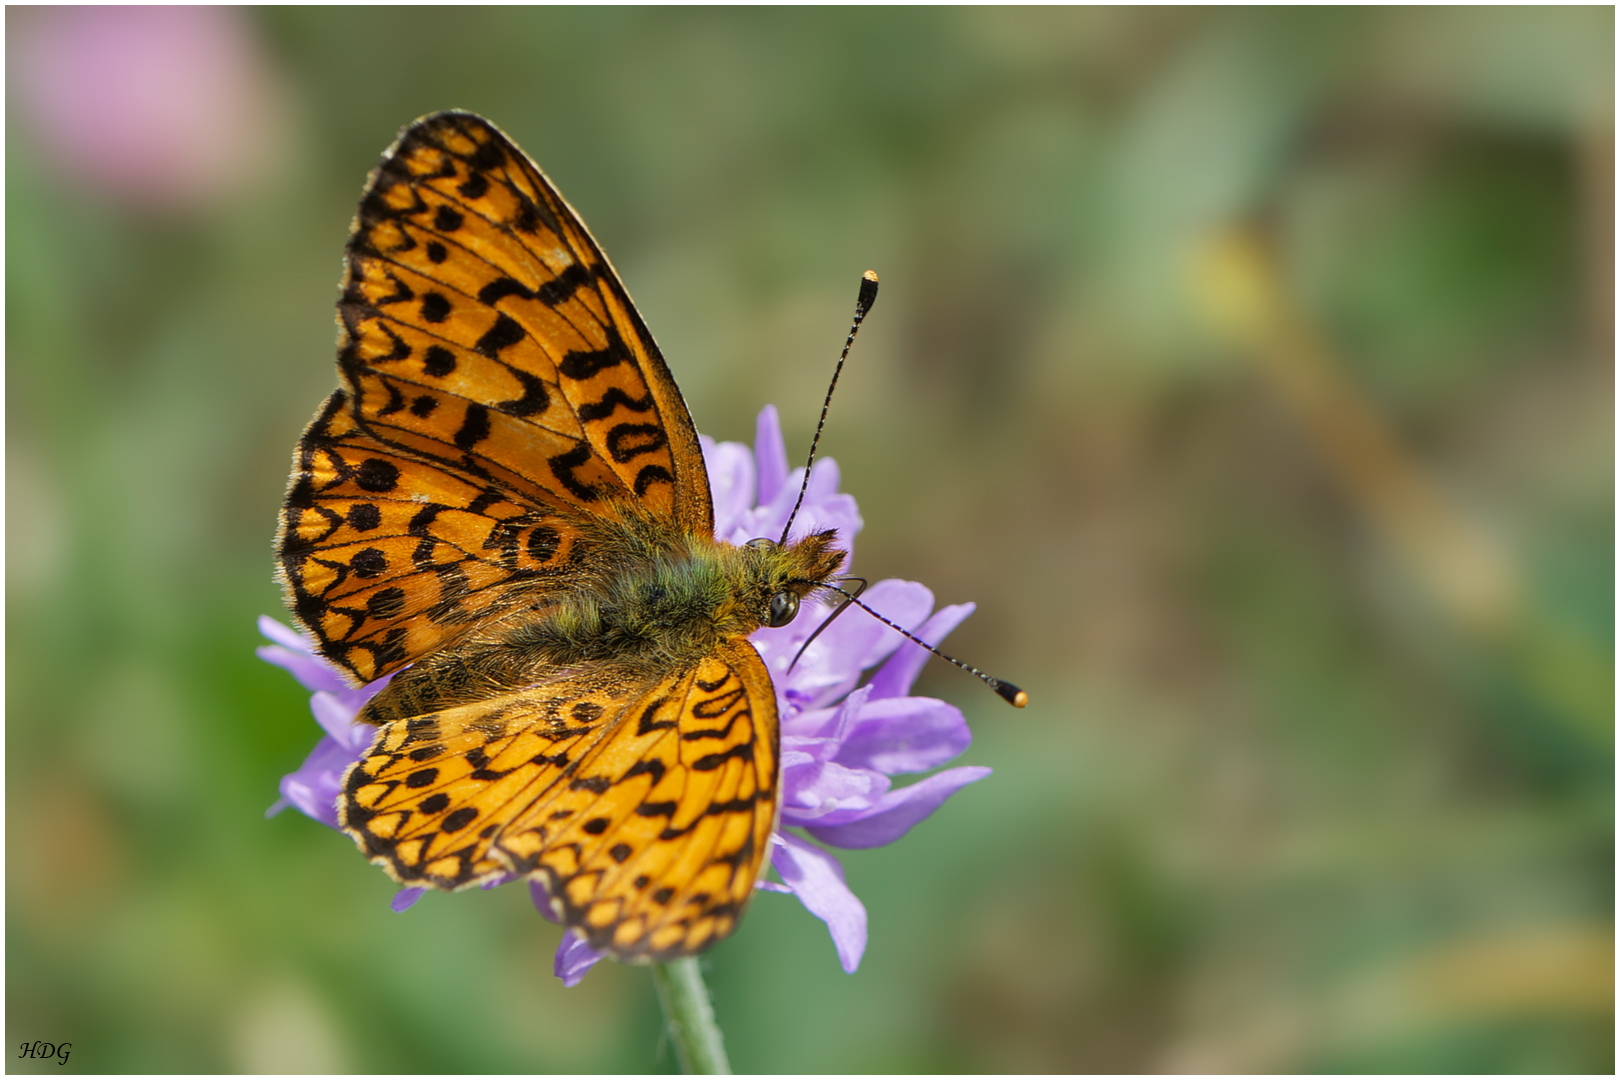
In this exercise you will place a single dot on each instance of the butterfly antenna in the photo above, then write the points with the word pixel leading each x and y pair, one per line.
pixel 837 611
pixel 863 304
pixel 1009 693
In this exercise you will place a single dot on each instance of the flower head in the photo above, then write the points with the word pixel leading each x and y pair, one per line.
pixel 842 739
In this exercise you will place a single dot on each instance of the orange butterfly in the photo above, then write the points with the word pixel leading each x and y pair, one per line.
pixel 505 505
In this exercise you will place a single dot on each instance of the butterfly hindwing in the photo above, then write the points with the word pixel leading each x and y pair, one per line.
pixel 661 861
pixel 646 809
pixel 432 793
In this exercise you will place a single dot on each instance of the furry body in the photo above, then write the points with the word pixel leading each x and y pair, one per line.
pixel 653 601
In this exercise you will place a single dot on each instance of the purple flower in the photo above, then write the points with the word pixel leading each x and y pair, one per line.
pixel 842 740
pixel 314 786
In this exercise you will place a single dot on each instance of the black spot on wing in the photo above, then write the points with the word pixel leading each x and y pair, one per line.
pixel 438 361
pixel 543 543
pixel 563 466
pixel 626 442
pixel 363 517
pixel 368 563
pixel 565 284
pixel 386 603
pixel 535 399
pixel 488 156
pixel 613 399
pixel 447 219
pixel 376 474
pixel 506 331
pixel 435 307
pixel 650 475
pixel 501 288
pixel 581 365
pixel 457 820
pixel 474 427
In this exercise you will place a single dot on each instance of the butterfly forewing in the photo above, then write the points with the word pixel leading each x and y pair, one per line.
pixel 646 809
pixel 492 367
pixel 386 556
pixel 464 250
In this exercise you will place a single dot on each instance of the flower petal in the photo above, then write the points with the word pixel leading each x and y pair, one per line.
pixel 406 898
pixel 731 483
pixel 817 879
pixel 824 507
pixel 540 896
pixel 857 641
pixel 792 758
pixel 898 811
pixel 894 678
pixel 337 719
pixel 770 453
pixel 312 672
pixel 283 635
pixel 314 786
pixel 811 792
pixel 903 735
pixel 574 959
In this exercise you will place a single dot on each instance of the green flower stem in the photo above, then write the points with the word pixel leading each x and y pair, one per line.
pixel 699 1047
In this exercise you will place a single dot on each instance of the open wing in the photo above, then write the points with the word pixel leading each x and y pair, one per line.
pixel 385 556
pixel 646 809
pixel 471 283
pixel 496 383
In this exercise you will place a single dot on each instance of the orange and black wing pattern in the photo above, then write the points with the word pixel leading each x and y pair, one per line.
pixel 496 382
pixel 386 556
pixel 646 809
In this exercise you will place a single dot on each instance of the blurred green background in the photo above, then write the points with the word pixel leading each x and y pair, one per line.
pixel 1251 369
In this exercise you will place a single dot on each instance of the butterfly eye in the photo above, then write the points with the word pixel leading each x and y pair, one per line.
pixel 784 606
pixel 760 542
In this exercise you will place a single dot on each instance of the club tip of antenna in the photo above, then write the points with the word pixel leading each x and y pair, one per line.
pixel 1010 693
pixel 869 287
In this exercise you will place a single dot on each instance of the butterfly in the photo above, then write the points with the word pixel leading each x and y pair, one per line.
pixel 504 507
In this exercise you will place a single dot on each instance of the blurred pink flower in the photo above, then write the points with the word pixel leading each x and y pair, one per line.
pixel 162 107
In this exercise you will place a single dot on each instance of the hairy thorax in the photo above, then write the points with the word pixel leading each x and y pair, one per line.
pixel 655 603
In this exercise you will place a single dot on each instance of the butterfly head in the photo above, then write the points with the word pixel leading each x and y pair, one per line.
pixel 781 575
